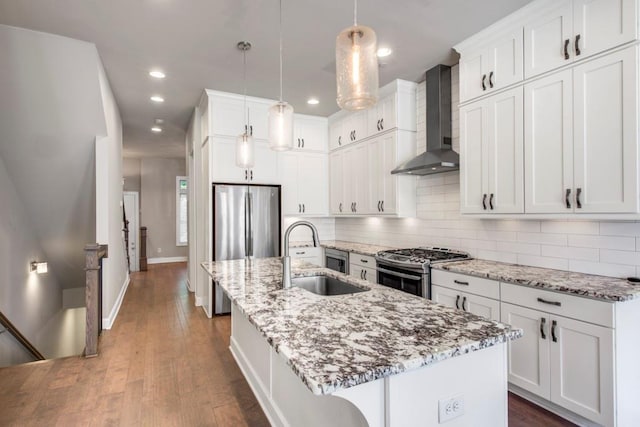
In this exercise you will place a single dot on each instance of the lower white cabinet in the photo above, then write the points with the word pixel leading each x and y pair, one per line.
pixel 304 183
pixel 314 254
pixel 566 361
pixel 485 307
pixel 363 266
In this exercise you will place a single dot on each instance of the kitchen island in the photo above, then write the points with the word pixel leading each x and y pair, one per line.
pixel 377 358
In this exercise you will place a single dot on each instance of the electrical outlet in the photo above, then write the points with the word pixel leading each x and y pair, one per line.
pixel 450 408
pixel 159 250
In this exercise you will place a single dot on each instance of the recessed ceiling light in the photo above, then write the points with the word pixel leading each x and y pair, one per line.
pixel 157 74
pixel 384 51
pixel 156 129
pixel 156 98
pixel 313 101
pixel 159 121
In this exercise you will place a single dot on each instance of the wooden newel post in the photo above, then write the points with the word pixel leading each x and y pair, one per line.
pixel 143 248
pixel 93 298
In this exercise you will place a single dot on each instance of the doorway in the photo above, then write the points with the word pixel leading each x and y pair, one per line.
pixel 132 211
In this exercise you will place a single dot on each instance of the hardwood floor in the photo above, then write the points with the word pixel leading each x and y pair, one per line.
pixel 163 364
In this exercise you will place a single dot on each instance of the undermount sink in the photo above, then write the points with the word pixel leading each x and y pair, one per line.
pixel 326 286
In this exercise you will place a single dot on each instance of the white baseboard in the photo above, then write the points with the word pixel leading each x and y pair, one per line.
pixel 189 288
pixel 166 260
pixel 107 322
pixel 198 301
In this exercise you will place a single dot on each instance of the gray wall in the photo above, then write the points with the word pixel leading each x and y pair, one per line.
pixel 131 174
pixel 158 205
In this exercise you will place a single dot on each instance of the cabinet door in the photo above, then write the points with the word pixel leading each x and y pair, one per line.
pixel 473 157
pixel 360 180
pixel 388 119
pixel 310 133
pixel 288 171
pixel 335 134
pixel 481 306
pixel 446 296
pixel 605 133
pixel 227 116
pixel 506 156
pixel 602 24
pixel 357 126
pixel 350 178
pixel 376 174
pixel 529 355
pixel 473 66
pixel 548 144
pixel 265 170
pixel 582 368
pixel 337 204
pixel 545 39
pixel 370 275
pixel 312 183
pixel 389 199
pixel 505 61
pixel 223 161
pixel 258 114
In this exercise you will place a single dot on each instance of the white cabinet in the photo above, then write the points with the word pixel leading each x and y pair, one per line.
pixel 335 134
pixel 313 255
pixel 382 116
pixel 491 146
pixel 475 295
pixel 571 30
pixel 304 183
pixel 310 133
pixel 356 179
pixel 382 185
pixel 495 65
pixel 337 183
pixel 229 115
pixel 223 163
pixel 581 138
pixel 363 266
pixel 354 127
pixel 566 361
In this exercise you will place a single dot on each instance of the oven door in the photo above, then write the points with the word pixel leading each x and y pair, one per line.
pixel 337 264
pixel 410 281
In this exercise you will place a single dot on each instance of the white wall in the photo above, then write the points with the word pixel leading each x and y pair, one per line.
pixel 109 203
pixel 610 248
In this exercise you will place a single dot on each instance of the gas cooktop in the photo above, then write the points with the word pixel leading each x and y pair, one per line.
pixel 420 256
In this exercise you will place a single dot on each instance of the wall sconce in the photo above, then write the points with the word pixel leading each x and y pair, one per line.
pixel 39 267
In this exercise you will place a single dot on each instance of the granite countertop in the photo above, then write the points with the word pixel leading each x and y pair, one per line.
pixel 336 342
pixel 360 248
pixel 585 285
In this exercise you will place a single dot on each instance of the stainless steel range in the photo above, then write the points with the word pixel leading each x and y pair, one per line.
pixel 409 270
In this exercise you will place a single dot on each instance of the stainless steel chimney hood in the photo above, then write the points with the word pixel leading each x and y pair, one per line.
pixel 439 156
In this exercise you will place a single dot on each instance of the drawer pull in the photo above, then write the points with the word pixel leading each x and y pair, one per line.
pixel 543 322
pixel 458 302
pixel 553 330
pixel 365 274
pixel 459 282
pixel 464 301
pixel 300 253
pixel 544 301
pixel 364 260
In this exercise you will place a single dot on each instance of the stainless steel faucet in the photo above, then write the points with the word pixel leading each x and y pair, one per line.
pixel 286 259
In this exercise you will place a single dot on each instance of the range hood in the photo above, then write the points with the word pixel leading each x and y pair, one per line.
pixel 439 156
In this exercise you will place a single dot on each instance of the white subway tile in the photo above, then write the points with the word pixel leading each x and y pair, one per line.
pixel 604 242
pixel 478 244
pixel 567 252
pixel 620 257
pixel 543 238
pixel 637 243
pixel 544 262
pixel 506 236
pixel 620 228
pixel 497 256
pixel 603 269
pixel 518 248
pixel 570 227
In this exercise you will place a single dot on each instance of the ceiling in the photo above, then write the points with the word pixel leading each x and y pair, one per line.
pixel 194 43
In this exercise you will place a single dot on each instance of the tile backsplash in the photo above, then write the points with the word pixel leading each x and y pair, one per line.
pixel 596 247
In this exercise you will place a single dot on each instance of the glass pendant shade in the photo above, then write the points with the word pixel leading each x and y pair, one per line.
pixel 357 68
pixel 281 126
pixel 244 151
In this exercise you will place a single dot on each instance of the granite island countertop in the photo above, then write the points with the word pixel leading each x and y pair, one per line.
pixel 342 245
pixel 586 285
pixel 332 343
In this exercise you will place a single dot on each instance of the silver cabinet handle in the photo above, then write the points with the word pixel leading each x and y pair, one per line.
pixel 401 275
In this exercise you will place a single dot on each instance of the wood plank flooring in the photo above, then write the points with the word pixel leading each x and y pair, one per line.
pixel 162 364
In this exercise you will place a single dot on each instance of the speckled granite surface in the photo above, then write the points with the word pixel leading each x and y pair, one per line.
pixel 586 285
pixel 336 342
pixel 360 248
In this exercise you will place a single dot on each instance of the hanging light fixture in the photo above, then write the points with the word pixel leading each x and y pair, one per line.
pixel 281 114
pixel 244 142
pixel 357 66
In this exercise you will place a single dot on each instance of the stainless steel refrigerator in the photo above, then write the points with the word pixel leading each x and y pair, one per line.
pixel 246 224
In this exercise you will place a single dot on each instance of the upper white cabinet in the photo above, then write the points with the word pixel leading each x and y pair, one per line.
pixel 309 133
pixel 569 30
pixel 493 66
pixel 304 183
pixel 581 148
pixel 223 163
pixel 382 116
pixel 228 116
pixel 491 147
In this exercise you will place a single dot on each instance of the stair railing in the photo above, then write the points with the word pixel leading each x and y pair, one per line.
pixel 94 254
pixel 10 327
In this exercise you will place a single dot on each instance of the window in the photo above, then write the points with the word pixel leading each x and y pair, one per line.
pixel 182 190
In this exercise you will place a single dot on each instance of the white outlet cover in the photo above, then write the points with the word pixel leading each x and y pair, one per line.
pixel 450 408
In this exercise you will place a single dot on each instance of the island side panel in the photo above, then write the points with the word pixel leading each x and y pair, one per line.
pixel 479 378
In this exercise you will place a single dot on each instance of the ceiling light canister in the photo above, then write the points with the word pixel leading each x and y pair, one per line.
pixel 357 66
pixel 383 51
pixel 156 129
pixel 313 101
pixel 157 98
pixel 157 74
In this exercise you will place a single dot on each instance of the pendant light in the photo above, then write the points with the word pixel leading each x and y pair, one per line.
pixel 356 66
pixel 281 114
pixel 244 142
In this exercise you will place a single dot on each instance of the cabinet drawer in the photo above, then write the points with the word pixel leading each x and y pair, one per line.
pixel 312 254
pixel 461 282
pixel 585 309
pixel 362 260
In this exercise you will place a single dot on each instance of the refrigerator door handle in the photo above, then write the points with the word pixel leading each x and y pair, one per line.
pixel 247 222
